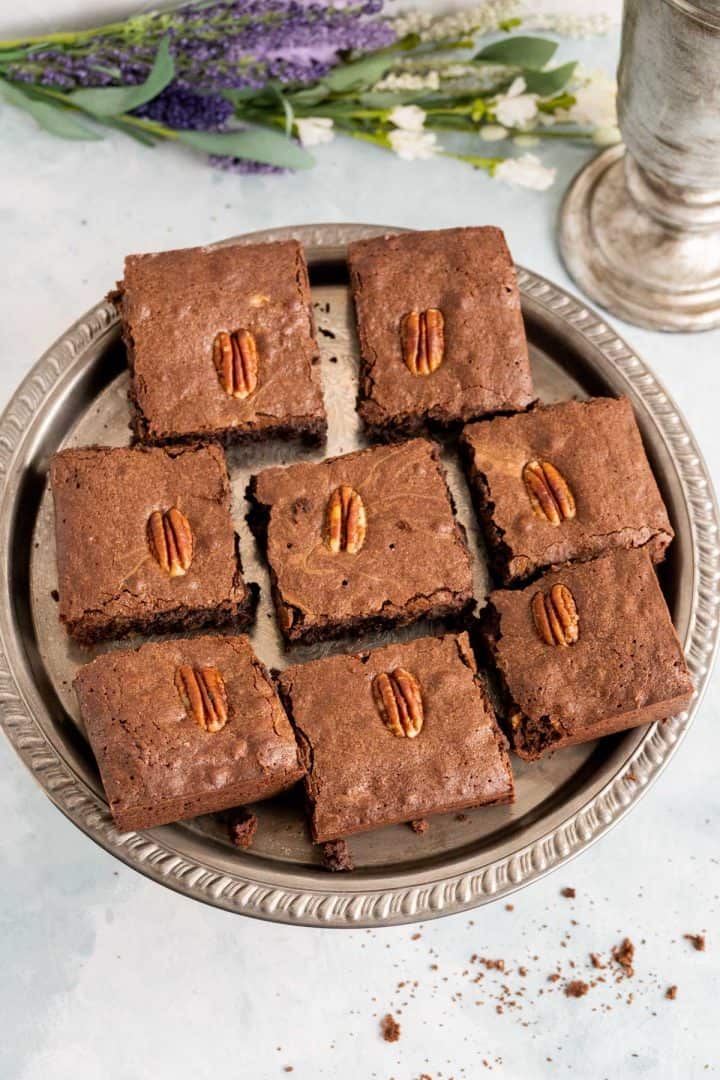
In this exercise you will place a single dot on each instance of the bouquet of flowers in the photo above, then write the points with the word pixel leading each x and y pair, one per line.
pixel 255 83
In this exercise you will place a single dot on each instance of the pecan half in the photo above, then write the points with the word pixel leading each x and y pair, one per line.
pixel 548 492
pixel 422 334
pixel 236 361
pixel 346 520
pixel 202 692
pixel 399 701
pixel 556 616
pixel 170 540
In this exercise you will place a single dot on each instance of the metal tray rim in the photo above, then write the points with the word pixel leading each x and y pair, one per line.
pixel 344 903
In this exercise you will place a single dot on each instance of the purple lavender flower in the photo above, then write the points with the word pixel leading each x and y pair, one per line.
pixel 228 45
pixel 185 110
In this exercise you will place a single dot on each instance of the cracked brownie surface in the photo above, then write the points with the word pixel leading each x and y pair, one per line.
pixel 622 666
pixel 598 492
pixel 361 775
pixel 157 762
pixel 174 305
pixel 408 560
pixel 463 279
pixel 111 577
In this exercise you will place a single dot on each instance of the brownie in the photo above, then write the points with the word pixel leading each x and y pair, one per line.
pixel 164 757
pixel 360 773
pixel 145 541
pixel 406 558
pixel 563 482
pixel 575 668
pixel 450 298
pixel 173 307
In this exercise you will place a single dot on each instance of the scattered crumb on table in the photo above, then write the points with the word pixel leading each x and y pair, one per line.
pixel 389 1028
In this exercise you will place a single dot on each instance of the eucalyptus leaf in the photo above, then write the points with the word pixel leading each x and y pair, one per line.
pixel 253 144
pixel 523 52
pixel 238 97
pixel 54 118
pixel 546 83
pixel 139 134
pixel 115 100
pixel 359 74
pixel 311 95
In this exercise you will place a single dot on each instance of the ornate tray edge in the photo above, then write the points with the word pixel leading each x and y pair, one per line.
pixel 350 907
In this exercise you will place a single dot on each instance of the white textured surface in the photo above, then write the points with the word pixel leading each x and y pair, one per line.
pixel 104 974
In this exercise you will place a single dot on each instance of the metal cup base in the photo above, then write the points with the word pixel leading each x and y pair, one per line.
pixel 655 264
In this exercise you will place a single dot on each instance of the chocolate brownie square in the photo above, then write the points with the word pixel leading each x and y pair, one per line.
pixel 394 735
pixel 145 541
pixel 185 727
pixel 441 331
pixel 561 482
pixel 221 344
pixel 586 651
pixel 362 541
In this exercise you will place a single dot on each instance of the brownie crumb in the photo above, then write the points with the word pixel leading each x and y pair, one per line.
pixel 336 856
pixel 554 977
pixel 698 941
pixel 389 1028
pixel 461 817
pixel 55 595
pixel 416 937
pixel 623 955
pixel 577 988
pixel 596 961
pixel 419 825
pixel 289 1068
pixel 671 993
pixel 487 962
pixel 568 893
pixel 509 907
pixel 242 828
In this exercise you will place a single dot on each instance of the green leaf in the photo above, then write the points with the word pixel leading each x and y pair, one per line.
pixel 115 100
pixel 310 96
pixel 54 118
pixel 9 56
pixel 359 74
pixel 546 83
pixel 136 133
pixel 524 52
pixel 253 144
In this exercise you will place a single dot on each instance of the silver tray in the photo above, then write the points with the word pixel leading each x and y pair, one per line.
pixel 76 394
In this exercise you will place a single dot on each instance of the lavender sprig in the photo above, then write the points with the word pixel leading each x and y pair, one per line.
pixel 254 82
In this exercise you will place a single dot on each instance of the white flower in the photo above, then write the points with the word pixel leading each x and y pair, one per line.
pixel 407 117
pixel 492 132
pixel 413 145
pixel 573 26
pixel 526 141
pixel 480 19
pixel 525 171
pixel 595 102
pixel 430 80
pixel 606 136
pixel 515 108
pixel 314 130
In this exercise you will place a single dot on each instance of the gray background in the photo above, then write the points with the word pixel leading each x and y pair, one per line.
pixel 104 974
